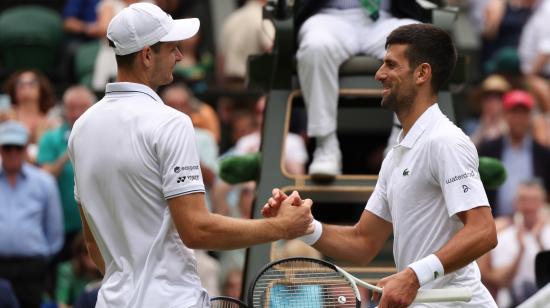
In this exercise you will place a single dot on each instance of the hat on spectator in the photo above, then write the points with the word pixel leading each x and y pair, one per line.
pixel 495 83
pixel 13 133
pixel 505 60
pixel 517 98
pixel 145 24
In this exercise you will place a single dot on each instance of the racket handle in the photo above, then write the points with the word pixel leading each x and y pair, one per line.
pixel 443 295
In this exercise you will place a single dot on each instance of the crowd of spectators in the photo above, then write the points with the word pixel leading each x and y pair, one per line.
pixel 42 255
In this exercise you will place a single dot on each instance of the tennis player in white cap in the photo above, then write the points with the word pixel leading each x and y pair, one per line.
pixel 138 181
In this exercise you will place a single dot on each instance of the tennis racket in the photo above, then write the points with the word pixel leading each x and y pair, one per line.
pixel 306 282
pixel 226 302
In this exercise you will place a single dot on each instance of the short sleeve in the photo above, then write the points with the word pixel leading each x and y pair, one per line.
pixel 454 163
pixel 378 201
pixel 178 157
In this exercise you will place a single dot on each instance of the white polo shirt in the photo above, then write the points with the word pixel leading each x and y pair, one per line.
pixel 427 178
pixel 130 154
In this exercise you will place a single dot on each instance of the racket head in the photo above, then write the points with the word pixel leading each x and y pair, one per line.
pixel 302 283
pixel 226 302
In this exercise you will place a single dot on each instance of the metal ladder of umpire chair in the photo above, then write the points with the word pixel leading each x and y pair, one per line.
pixel 356 80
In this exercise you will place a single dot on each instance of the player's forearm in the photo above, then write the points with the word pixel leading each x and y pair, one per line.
pixel 346 244
pixel 219 232
pixel 477 237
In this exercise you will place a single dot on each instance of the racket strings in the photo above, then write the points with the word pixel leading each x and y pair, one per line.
pixel 303 284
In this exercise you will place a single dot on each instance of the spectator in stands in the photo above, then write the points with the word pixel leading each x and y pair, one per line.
pixel 323 48
pixel 294 158
pixel 534 52
pixel 503 22
pixel 74 275
pixel 208 269
pixel 31 230
pixel 53 158
pixel 244 33
pixel 32 97
pixel 225 198
pixel 180 97
pixel 105 63
pixel 491 123
pixel 80 18
pixel 523 157
pixel 88 298
pixel 232 283
pixel 7 296
pixel 197 65
pixel 510 267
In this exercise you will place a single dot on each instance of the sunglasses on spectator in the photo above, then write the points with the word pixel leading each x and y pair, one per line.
pixel 12 147
pixel 22 83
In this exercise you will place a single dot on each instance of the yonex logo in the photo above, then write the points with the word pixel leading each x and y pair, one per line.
pixel 181 179
pixel 465 188
pixel 406 172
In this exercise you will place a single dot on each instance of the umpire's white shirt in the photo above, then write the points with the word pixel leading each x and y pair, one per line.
pixel 427 178
pixel 130 154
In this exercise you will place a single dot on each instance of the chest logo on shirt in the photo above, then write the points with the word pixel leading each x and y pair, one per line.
pixel 406 172
pixel 465 188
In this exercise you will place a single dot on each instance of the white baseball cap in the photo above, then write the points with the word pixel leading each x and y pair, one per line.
pixel 144 24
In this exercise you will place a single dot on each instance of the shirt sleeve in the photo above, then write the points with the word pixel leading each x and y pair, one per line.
pixel 178 157
pixel 378 201
pixel 454 163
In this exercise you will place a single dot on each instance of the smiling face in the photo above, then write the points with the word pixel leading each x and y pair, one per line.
pixel 396 76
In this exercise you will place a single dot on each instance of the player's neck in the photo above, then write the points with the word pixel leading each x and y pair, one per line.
pixel 409 116
pixel 124 75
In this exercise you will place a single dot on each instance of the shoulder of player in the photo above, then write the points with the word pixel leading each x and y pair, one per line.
pixel 446 134
pixel 167 116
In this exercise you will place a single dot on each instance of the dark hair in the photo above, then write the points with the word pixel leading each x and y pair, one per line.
pixel 427 44
pixel 128 60
pixel 47 97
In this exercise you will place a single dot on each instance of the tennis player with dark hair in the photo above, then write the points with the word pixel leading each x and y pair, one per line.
pixel 429 193
pixel 138 181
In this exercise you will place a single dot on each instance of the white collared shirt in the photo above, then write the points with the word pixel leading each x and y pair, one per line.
pixel 425 180
pixel 130 154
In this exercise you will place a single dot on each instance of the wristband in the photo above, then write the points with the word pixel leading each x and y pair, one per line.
pixel 427 269
pixel 312 238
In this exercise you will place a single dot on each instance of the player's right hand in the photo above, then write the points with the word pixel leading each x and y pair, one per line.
pixel 295 220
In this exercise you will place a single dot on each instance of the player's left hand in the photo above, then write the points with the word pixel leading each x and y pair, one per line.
pixel 399 289
pixel 271 208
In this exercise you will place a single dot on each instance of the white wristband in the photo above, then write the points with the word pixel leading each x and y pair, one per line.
pixel 427 269
pixel 310 239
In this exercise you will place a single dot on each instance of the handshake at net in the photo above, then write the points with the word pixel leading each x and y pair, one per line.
pixel 291 212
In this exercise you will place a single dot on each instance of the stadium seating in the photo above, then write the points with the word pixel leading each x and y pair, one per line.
pixel 84 62
pixel 30 37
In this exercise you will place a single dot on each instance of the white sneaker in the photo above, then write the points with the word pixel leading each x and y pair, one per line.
pixel 326 164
